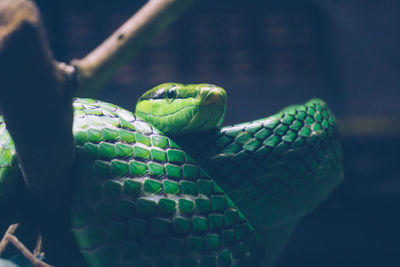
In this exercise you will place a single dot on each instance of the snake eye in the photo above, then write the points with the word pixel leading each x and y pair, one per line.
pixel 171 94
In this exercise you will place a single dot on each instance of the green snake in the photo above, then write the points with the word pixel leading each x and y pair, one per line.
pixel 167 186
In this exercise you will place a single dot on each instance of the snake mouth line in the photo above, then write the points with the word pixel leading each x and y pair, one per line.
pixel 179 110
pixel 169 114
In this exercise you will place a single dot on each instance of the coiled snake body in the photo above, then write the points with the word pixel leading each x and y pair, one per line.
pixel 211 197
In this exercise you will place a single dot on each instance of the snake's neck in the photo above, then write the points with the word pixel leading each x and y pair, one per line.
pixel 206 146
pixel 199 145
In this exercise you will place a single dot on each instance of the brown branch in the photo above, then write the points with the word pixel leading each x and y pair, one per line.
pixel 98 66
pixel 9 237
pixel 31 257
pixel 38 247
pixel 4 241
pixel 34 86
pixel 36 101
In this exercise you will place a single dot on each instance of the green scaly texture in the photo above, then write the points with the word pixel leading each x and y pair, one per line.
pixel 141 200
pixel 276 169
pixel 282 166
pixel 10 176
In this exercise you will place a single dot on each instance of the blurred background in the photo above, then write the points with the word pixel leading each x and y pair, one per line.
pixel 267 55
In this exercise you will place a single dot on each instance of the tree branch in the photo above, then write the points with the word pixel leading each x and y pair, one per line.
pixel 36 101
pixel 10 237
pixel 97 67
pixel 32 258
pixel 10 231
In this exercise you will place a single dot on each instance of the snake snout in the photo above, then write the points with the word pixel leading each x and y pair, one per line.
pixel 214 96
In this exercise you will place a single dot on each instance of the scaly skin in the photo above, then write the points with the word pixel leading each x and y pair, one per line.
pixel 276 169
pixel 142 200
pixel 282 166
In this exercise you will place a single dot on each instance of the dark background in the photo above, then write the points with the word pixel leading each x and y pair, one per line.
pixel 269 54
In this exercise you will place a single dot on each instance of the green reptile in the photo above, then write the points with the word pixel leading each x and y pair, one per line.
pixel 167 186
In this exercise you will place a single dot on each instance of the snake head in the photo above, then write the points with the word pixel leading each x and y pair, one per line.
pixel 176 108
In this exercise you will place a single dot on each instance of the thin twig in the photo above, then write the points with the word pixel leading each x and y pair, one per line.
pixel 4 241
pixel 9 237
pixel 32 258
pixel 38 247
pixel 98 66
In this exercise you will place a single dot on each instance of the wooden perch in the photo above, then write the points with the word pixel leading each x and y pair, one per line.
pixel 36 97
pixel 98 66
pixel 36 101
